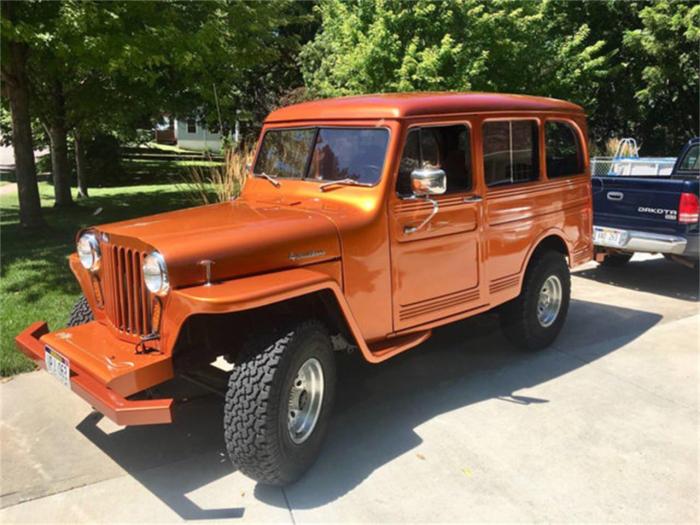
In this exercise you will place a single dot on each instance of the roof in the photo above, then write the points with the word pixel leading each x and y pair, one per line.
pixel 404 105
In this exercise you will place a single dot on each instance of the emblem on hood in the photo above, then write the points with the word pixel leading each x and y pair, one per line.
pixel 295 256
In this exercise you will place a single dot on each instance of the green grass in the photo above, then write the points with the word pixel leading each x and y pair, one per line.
pixel 35 281
pixel 167 147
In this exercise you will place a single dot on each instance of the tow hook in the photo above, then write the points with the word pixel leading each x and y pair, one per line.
pixel 141 347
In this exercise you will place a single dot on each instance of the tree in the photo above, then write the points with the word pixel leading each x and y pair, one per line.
pixel 113 67
pixel 15 48
pixel 633 66
pixel 669 45
pixel 461 45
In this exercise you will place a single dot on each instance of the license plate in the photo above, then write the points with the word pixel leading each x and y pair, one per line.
pixel 609 237
pixel 57 365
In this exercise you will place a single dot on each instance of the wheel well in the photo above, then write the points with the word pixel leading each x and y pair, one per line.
pixel 203 337
pixel 550 243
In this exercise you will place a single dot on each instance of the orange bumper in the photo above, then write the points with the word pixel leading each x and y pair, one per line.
pixel 91 382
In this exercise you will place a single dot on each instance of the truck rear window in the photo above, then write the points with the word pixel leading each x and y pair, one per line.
pixel 324 154
pixel 690 164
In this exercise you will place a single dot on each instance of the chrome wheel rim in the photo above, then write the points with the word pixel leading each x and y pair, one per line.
pixel 549 301
pixel 305 400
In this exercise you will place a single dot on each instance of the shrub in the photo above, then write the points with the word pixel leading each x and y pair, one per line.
pixel 208 185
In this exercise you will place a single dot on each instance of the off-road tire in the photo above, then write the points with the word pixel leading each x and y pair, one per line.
pixel 255 412
pixel 81 313
pixel 519 316
pixel 616 260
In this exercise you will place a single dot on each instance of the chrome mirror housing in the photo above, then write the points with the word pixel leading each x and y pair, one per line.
pixel 428 181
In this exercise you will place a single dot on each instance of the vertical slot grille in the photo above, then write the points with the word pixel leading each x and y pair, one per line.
pixel 127 301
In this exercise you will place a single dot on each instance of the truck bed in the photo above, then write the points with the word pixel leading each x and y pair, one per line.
pixel 650 213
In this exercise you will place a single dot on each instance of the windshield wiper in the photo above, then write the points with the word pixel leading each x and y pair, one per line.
pixel 343 182
pixel 269 178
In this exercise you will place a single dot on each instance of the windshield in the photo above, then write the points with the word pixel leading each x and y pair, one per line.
pixel 324 154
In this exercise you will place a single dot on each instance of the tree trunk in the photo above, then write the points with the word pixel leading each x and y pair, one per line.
pixel 14 76
pixel 80 165
pixel 58 135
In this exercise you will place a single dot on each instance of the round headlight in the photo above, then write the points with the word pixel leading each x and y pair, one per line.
pixel 89 251
pixel 155 274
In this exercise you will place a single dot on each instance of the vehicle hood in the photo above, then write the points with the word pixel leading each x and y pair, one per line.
pixel 241 238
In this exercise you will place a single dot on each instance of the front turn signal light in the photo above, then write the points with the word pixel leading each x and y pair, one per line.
pixel 156 311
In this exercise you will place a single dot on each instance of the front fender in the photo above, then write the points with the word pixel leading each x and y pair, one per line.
pixel 253 292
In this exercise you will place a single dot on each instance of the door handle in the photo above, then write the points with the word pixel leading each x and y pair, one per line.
pixel 615 195
pixel 473 198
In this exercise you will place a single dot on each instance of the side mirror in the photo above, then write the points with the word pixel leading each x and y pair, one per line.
pixel 424 183
pixel 428 181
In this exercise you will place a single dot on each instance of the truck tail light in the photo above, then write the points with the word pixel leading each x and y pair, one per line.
pixel 688 208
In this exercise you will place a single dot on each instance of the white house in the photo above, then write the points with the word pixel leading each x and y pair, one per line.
pixel 193 134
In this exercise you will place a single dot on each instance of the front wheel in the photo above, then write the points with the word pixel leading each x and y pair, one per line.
pixel 81 313
pixel 534 319
pixel 279 401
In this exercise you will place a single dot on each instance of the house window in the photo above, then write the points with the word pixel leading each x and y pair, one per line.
pixel 510 152
pixel 564 155
pixel 445 147
pixel 191 125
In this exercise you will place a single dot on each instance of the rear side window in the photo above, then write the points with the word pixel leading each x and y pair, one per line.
pixel 564 155
pixel 510 152
pixel 445 147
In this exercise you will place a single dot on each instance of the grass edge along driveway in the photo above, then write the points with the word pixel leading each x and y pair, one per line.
pixel 35 280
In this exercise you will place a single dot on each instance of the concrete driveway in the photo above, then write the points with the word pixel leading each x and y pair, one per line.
pixel 603 426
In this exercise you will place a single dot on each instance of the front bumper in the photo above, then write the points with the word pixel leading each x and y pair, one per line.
pixel 100 374
pixel 637 241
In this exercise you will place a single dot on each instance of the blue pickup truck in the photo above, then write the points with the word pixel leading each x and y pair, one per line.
pixel 656 213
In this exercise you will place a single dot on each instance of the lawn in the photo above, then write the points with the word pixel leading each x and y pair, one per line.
pixel 35 281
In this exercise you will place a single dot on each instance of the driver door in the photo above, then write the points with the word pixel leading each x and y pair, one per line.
pixel 435 270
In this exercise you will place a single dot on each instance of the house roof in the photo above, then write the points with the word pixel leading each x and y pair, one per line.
pixel 405 105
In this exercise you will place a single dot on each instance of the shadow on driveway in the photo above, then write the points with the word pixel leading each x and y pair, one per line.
pixel 657 276
pixel 377 408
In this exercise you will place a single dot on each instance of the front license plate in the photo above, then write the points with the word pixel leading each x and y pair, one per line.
pixel 609 237
pixel 57 365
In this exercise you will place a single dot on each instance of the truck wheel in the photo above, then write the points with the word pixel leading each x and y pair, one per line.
pixel 615 260
pixel 278 404
pixel 81 313
pixel 533 320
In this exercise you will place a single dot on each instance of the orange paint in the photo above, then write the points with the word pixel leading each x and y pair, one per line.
pixel 275 243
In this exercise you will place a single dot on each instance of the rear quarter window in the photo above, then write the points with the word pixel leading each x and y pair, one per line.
pixel 563 149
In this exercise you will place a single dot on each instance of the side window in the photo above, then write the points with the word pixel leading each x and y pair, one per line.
pixel 191 125
pixel 564 156
pixel 510 152
pixel 445 147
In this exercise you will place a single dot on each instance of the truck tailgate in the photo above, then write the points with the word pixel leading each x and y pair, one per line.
pixel 638 203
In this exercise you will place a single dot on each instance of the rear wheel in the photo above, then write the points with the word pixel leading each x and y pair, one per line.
pixel 279 401
pixel 615 260
pixel 81 313
pixel 534 319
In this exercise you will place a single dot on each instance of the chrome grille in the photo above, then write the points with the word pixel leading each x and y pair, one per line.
pixel 127 300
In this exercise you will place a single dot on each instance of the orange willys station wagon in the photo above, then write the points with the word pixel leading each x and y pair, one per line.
pixel 365 223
